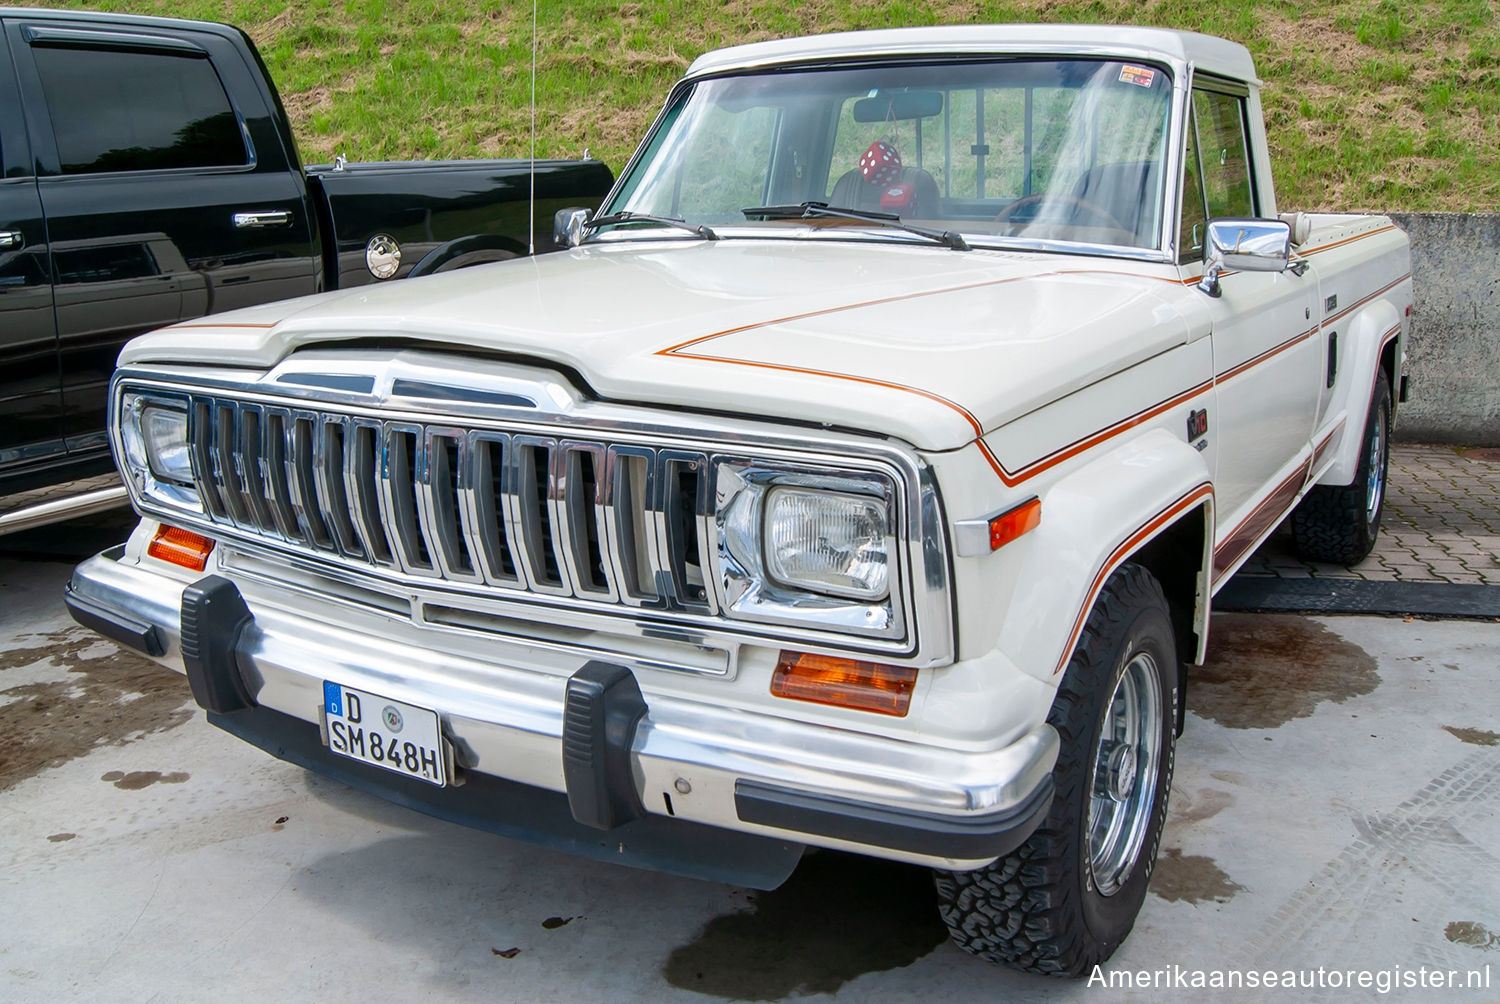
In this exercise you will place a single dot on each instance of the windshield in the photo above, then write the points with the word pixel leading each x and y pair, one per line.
pixel 1048 150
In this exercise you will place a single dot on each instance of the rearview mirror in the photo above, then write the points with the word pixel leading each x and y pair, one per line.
pixel 568 224
pixel 1244 246
pixel 898 105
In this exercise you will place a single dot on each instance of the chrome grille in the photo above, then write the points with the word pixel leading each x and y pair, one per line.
pixel 615 523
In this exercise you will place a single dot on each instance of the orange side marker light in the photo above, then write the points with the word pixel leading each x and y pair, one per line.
pixel 180 547
pixel 1011 524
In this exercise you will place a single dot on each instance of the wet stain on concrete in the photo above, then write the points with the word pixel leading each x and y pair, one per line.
pixel 1476 935
pixel 110 697
pixel 1474 737
pixel 138 779
pixel 838 917
pixel 60 838
pixel 553 923
pixel 1264 670
pixel 1205 803
pixel 1191 878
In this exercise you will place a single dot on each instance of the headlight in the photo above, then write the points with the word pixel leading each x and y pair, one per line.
pixel 164 438
pixel 810 547
pixel 828 543
pixel 156 456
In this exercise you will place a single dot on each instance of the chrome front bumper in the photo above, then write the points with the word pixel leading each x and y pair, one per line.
pixel 683 763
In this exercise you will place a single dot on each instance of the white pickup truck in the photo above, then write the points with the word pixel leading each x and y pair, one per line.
pixel 859 477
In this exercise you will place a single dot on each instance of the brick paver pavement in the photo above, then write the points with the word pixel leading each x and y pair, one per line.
pixel 1441 524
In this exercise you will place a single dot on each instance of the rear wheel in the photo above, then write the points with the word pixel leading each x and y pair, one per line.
pixel 1339 523
pixel 1066 899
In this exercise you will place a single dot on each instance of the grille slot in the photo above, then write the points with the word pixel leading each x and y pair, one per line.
pixel 605 522
pixel 332 494
pixel 441 494
pixel 276 445
pixel 490 454
pixel 629 528
pixel 226 462
pixel 205 460
pixel 531 505
pixel 581 493
pixel 398 482
pixel 685 506
pixel 362 482
pixel 253 467
pixel 303 485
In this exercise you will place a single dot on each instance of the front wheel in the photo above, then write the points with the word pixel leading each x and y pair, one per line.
pixel 1339 523
pixel 1065 900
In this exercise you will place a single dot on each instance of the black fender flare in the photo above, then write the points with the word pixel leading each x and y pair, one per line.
pixel 483 248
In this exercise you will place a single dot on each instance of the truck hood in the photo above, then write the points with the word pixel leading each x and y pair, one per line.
pixel 921 343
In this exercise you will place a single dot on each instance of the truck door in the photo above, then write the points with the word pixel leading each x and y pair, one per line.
pixel 1267 362
pixel 30 397
pixel 165 199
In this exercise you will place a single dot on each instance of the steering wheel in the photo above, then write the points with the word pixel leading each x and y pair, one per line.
pixel 1010 213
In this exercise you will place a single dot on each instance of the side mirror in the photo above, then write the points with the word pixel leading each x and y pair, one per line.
pixel 567 226
pixel 1244 246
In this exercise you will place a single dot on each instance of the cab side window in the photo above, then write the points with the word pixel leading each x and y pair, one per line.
pixel 1224 154
pixel 116 110
pixel 1194 213
pixel 1216 180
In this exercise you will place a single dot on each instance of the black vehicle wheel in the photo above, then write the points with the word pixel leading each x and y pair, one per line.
pixel 1339 523
pixel 1066 899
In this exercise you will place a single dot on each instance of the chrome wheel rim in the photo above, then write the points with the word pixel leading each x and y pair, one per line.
pixel 1123 790
pixel 1375 481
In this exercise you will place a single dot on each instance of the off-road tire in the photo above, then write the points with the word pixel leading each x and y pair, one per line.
pixel 1339 523
pixel 1038 909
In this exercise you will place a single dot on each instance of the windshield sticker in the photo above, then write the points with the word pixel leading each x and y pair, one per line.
pixel 1138 75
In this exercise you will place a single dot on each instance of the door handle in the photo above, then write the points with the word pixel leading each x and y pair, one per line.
pixel 263 218
pixel 10 239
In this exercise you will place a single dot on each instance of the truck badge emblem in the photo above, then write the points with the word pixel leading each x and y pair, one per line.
pixel 1197 423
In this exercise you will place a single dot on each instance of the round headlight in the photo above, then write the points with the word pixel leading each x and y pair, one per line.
pixel 827 542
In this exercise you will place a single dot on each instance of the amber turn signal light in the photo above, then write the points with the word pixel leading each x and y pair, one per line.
pixel 180 547
pixel 1009 525
pixel 846 683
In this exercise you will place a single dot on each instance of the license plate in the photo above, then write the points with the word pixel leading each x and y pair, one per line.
pixel 390 734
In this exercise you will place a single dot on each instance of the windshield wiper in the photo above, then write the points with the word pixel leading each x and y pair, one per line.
pixel 666 221
pixel 822 210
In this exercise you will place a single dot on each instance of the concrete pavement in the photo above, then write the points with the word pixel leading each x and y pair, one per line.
pixel 1335 806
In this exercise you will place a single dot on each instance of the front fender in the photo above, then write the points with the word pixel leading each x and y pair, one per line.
pixel 1029 599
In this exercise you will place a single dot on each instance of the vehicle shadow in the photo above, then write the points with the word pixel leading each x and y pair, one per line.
pixel 494 901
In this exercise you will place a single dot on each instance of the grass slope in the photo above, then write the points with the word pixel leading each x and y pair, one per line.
pixel 1380 105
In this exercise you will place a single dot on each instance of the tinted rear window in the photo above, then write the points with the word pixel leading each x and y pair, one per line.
pixel 137 111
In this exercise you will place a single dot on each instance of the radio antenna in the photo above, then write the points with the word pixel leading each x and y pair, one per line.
pixel 531 233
